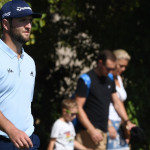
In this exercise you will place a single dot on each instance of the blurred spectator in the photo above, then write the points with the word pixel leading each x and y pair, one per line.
pixel 63 133
pixel 116 139
pixel 94 107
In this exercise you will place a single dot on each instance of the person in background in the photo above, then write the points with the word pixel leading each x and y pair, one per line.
pixel 115 139
pixel 17 78
pixel 94 108
pixel 63 133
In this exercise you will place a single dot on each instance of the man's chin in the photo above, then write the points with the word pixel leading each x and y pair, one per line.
pixel 23 41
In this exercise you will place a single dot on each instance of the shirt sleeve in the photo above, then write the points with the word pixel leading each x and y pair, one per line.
pixel 73 129
pixel 55 130
pixel 82 89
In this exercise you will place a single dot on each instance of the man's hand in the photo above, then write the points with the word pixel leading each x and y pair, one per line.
pixel 20 139
pixel 126 127
pixel 96 136
pixel 112 132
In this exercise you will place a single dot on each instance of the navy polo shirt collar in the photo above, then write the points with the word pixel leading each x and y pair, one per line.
pixel 9 51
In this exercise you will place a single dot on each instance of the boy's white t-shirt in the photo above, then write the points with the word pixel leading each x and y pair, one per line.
pixel 64 133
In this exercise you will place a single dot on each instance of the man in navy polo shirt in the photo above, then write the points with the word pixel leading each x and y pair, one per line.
pixel 17 78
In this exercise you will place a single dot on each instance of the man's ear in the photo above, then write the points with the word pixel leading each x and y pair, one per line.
pixel 5 24
pixel 100 62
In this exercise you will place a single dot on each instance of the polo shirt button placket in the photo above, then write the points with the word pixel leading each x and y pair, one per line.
pixel 19 66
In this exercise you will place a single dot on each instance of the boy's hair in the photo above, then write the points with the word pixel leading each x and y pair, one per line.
pixel 106 54
pixel 121 54
pixel 69 103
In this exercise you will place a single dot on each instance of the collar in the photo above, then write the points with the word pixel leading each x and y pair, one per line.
pixel 9 51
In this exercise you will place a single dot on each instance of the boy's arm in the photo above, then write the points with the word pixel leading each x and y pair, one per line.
pixel 79 146
pixel 51 144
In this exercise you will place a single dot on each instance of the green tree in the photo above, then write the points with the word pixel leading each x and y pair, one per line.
pixel 85 27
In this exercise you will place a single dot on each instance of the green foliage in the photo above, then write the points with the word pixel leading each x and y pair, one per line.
pixel 2 2
pixel 53 5
pixel 38 24
pixel 82 28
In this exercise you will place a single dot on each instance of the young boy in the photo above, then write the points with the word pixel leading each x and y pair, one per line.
pixel 63 133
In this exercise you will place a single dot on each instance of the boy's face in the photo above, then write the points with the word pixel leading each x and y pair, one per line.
pixel 70 114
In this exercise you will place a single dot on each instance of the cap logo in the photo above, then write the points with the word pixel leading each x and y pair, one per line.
pixel 6 14
pixel 23 8
pixel 17 9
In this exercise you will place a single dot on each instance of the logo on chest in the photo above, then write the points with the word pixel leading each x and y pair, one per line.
pixel 10 70
pixel 32 74
pixel 109 86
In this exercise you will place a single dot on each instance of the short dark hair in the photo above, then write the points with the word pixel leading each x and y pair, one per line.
pixel 106 54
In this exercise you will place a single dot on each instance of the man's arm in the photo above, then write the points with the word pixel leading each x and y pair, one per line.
pixel 94 133
pixel 18 137
pixel 119 107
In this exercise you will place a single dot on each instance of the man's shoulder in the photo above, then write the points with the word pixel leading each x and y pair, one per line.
pixel 88 73
pixel 57 123
pixel 109 80
pixel 86 78
pixel 28 57
pixel 91 74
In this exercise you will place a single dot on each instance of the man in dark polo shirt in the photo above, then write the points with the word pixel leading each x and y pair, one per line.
pixel 94 107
